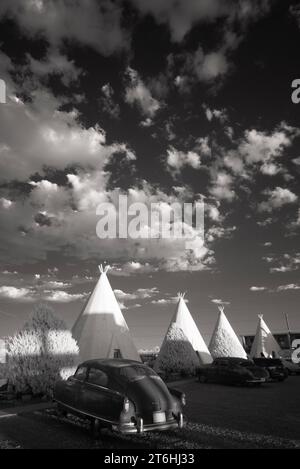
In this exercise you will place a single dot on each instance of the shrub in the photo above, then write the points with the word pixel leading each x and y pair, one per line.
pixel 176 354
pixel 41 353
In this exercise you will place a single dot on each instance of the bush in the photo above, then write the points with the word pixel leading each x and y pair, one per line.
pixel 176 354
pixel 43 352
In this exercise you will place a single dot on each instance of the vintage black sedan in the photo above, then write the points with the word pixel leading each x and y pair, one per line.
pixel 123 395
pixel 232 370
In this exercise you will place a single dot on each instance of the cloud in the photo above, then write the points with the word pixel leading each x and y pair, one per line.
pixel 290 286
pixel 218 301
pixel 14 293
pixel 182 15
pixel 166 301
pixel 85 23
pixel 140 293
pixel 217 232
pixel 288 263
pixel 47 136
pixel 60 296
pixel 133 268
pixel 209 66
pixel 176 159
pixel 123 296
pixel 138 94
pixel 277 198
pixel 107 101
pixel 218 114
pixel 260 146
pixel 55 64
pixel 260 150
pixel 222 186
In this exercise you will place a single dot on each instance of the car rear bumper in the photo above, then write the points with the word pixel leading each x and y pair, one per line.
pixel 140 427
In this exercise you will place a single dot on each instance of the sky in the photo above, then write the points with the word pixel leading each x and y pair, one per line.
pixel 164 102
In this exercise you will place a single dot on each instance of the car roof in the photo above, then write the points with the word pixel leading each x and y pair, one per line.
pixel 110 363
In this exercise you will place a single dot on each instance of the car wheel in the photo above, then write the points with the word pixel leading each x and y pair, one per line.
pixel 202 378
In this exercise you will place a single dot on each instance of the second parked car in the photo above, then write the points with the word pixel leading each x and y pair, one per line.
pixel 274 367
pixel 232 371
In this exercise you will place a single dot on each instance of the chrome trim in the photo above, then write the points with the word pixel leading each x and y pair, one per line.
pixel 112 391
pixel 128 428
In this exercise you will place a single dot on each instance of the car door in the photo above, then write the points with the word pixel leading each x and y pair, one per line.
pixel 96 396
pixel 73 387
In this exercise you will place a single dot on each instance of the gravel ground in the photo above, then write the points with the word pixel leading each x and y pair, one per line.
pixel 218 417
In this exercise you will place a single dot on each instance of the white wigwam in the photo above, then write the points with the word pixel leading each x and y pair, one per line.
pixel 224 341
pixel 101 330
pixel 264 343
pixel 184 320
pixel 176 353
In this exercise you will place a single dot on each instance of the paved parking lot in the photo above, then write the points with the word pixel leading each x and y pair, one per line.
pixel 218 417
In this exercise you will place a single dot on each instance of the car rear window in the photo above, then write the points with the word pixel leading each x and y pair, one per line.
pixel 134 372
pixel 81 373
pixel 97 377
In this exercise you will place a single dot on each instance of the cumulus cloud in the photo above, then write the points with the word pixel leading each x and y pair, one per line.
pixel 177 159
pixel 285 263
pixel 140 293
pixel 47 136
pixel 290 286
pixel 138 94
pixel 86 23
pixel 277 198
pixel 182 15
pixel 166 301
pixel 222 186
pixel 261 146
pixel 14 293
pixel 209 66
pixel 218 301
pixel 108 103
pixel 60 296
pixel 55 64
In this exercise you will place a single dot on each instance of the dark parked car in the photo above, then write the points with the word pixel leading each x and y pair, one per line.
pixel 274 366
pixel 124 395
pixel 291 367
pixel 232 371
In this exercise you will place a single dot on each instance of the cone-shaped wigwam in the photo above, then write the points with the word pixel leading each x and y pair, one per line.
pixel 184 321
pixel 224 341
pixel 176 354
pixel 101 330
pixel 264 343
pixel 183 318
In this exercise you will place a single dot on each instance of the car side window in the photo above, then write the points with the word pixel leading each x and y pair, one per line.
pixel 97 377
pixel 81 373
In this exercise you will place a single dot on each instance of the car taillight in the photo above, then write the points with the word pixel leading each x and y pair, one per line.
pixel 183 399
pixel 126 404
